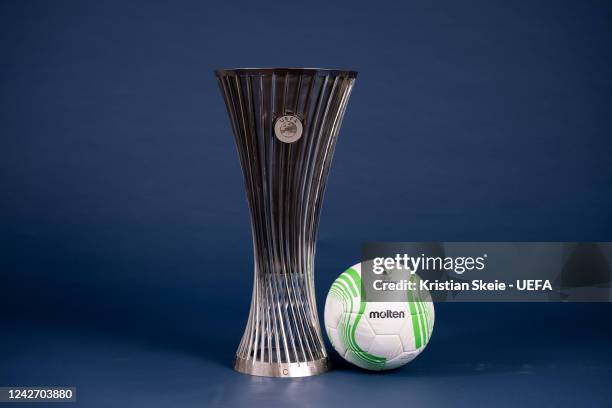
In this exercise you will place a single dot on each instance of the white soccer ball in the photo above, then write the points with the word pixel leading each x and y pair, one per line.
pixel 376 335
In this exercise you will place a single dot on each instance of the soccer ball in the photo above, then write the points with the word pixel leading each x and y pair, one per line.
pixel 376 335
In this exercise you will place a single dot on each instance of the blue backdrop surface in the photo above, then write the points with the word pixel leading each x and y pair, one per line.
pixel 125 267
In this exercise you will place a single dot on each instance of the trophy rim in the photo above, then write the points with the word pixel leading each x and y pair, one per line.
pixel 282 70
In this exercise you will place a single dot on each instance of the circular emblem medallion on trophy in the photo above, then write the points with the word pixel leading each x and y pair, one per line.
pixel 288 128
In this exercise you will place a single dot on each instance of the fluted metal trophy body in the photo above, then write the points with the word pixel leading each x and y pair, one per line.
pixel 285 122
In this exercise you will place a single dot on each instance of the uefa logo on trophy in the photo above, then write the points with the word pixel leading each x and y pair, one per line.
pixel 288 128
pixel 285 122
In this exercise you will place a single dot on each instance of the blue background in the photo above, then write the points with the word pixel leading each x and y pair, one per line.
pixel 125 260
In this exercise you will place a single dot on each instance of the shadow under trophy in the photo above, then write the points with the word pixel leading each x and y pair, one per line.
pixel 285 122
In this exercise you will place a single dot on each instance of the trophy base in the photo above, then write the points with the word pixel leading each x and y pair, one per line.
pixel 263 369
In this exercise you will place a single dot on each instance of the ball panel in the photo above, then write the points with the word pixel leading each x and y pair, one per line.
pixel 402 359
pixel 406 335
pixel 336 341
pixel 364 360
pixel 363 333
pixel 333 310
pixel 388 346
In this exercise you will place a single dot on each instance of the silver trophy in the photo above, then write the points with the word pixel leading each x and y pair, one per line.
pixel 285 122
